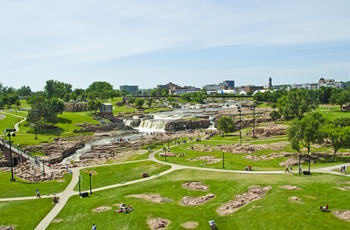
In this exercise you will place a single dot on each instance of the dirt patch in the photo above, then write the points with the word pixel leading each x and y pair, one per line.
pixel 254 193
pixel 2 227
pixel 238 148
pixel 208 159
pixel 295 199
pixel 344 215
pixel 102 209
pixel 343 188
pixel 151 197
pixel 190 225
pixel 290 187
pixel 93 172
pixel 291 161
pixel 310 197
pixel 158 223
pixel 195 185
pixel 195 201
pixel 56 220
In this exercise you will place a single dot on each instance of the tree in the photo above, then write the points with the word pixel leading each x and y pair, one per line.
pixel 94 105
pixel 340 98
pixel 100 90
pixel 149 102
pixel 275 115
pixel 324 94
pixel 24 91
pixel 306 131
pixel 296 103
pixel 44 111
pixel 57 89
pixel 338 133
pixel 139 102
pixel 226 125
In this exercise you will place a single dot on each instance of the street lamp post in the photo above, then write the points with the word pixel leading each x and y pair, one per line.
pixel 253 125
pixel 9 133
pixel 43 167
pixel 240 124
pixel 19 155
pixel 164 153
pixel 90 184
pixel 67 127
pixel 35 114
pixel 79 186
pixel 223 159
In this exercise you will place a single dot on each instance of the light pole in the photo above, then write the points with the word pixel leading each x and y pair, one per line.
pixel 240 124
pixel 35 114
pixel 19 156
pixel 253 109
pixel 164 153
pixel 90 184
pixel 43 167
pixel 79 186
pixel 11 132
pixel 67 127
pixel 223 159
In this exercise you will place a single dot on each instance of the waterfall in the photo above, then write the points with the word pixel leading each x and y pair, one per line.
pixel 129 122
pixel 152 125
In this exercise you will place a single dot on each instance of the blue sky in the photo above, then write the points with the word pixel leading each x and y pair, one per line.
pixel 188 42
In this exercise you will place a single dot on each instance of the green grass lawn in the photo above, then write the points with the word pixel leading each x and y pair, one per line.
pixel 274 211
pixel 24 214
pixel 118 173
pixel 22 188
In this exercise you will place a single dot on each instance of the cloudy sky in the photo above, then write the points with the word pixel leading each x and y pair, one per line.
pixel 188 42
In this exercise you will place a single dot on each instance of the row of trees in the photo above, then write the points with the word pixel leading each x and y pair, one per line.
pixel 325 95
pixel 314 128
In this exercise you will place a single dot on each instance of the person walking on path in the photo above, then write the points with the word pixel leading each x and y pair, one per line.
pixel 37 193
pixel 287 169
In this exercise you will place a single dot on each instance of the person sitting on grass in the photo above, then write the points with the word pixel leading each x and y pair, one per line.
pixel 324 208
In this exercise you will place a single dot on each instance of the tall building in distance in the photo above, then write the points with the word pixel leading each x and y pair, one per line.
pixel 228 84
pixel 269 85
pixel 132 89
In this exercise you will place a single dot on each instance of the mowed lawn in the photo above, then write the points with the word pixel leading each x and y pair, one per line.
pixel 22 188
pixel 117 173
pixel 276 210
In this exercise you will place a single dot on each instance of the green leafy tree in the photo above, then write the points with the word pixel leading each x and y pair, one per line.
pixel 149 102
pixel 139 102
pixel 44 111
pixel 337 131
pixel 275 115
pixel 94 105
pixel 226 124
pixel 100 90
pixel 57 89
pixel 296 103
pixel 340 98
pixel 24 91
pixel 306 131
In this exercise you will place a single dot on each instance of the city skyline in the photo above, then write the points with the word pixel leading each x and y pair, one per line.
pixel 147 43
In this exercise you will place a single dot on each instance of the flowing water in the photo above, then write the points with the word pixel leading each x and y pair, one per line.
pixel 155 124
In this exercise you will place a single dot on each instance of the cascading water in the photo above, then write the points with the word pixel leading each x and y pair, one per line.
pixel 152 125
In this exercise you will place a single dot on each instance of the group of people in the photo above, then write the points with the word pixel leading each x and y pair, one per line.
pixel 289 169
pixel 125 208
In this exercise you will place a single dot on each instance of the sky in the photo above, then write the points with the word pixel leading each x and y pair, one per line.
pixel 187 42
